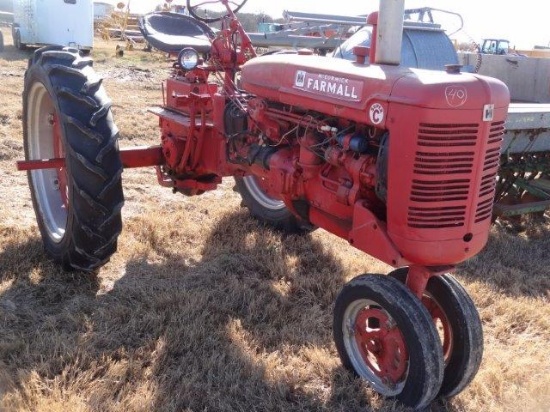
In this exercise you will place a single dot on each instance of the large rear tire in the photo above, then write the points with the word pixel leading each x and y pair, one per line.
pixel 266 208
pixel 66 113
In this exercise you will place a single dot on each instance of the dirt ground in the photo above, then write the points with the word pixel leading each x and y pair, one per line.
pixel 202 309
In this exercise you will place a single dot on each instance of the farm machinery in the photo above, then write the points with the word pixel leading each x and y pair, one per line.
pixel 401 163
pixel 321 32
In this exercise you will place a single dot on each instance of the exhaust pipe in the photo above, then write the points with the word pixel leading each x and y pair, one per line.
pixel 389 33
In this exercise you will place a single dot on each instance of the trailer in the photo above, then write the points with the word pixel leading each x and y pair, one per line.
pixel 58 22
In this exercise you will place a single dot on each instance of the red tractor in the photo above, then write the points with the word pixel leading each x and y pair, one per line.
pixel 400 162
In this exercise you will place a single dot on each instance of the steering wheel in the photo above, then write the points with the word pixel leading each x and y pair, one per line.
pixel 222 8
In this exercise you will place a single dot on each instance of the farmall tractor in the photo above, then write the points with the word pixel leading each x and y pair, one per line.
pixel 399 162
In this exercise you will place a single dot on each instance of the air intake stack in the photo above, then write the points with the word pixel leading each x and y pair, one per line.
pixel 389 32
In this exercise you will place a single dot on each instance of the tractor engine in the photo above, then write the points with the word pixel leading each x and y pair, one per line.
pixel 400 162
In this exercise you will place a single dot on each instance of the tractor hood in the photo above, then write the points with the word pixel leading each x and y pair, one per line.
pixel 358 92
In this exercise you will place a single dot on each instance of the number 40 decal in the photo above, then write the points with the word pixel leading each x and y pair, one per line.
pixel 456 96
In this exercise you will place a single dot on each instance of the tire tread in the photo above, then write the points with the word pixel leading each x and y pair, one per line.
pixel 420 390
pixel 89 136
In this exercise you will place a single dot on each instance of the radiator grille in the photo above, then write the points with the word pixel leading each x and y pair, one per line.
pixel 443 169
pixel 443 166
pixel 447 135
pixel 490 167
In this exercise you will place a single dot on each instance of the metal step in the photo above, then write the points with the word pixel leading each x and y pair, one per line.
pixel 176 117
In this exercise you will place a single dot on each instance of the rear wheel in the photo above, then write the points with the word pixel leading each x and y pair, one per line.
pixel 266 207
pixel 66 114
pixel 459 327
pixel 385 336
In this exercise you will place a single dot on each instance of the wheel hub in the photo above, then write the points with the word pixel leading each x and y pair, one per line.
pixel 381 345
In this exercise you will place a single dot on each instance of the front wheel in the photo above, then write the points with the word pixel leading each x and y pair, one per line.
pixel 459 326
pixel 384 335
pixel 66 114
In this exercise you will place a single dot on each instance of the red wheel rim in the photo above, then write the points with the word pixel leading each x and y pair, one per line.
pixel 381 345
pixel 442 325
pixel 59 152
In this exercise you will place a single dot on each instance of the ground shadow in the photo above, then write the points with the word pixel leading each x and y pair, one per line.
pixel 254 302
pixel 42 312
pixel 254 299
pixel 243 329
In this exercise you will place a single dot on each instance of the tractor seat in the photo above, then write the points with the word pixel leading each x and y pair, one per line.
pixel 171 32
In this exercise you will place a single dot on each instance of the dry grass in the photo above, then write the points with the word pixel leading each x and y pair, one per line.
pixel 202 309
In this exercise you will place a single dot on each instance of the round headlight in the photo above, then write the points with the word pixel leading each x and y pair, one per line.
pixel 188 58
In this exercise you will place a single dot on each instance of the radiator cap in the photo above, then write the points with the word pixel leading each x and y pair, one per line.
pixel 453 68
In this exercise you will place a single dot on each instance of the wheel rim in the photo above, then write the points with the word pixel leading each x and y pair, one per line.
pixel 44 142
pixel 376 346
pixel 256 187
pixel 442 324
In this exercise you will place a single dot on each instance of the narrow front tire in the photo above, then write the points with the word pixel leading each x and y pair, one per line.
pixel 385 336
pixel 459 327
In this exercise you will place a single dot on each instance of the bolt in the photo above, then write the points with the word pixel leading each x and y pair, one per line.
pixel 56 184
pixel 51 119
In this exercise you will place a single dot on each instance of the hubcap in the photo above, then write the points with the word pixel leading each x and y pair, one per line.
pixel 44 142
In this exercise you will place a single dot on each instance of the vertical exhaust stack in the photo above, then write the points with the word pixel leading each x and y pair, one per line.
pixel 390 32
